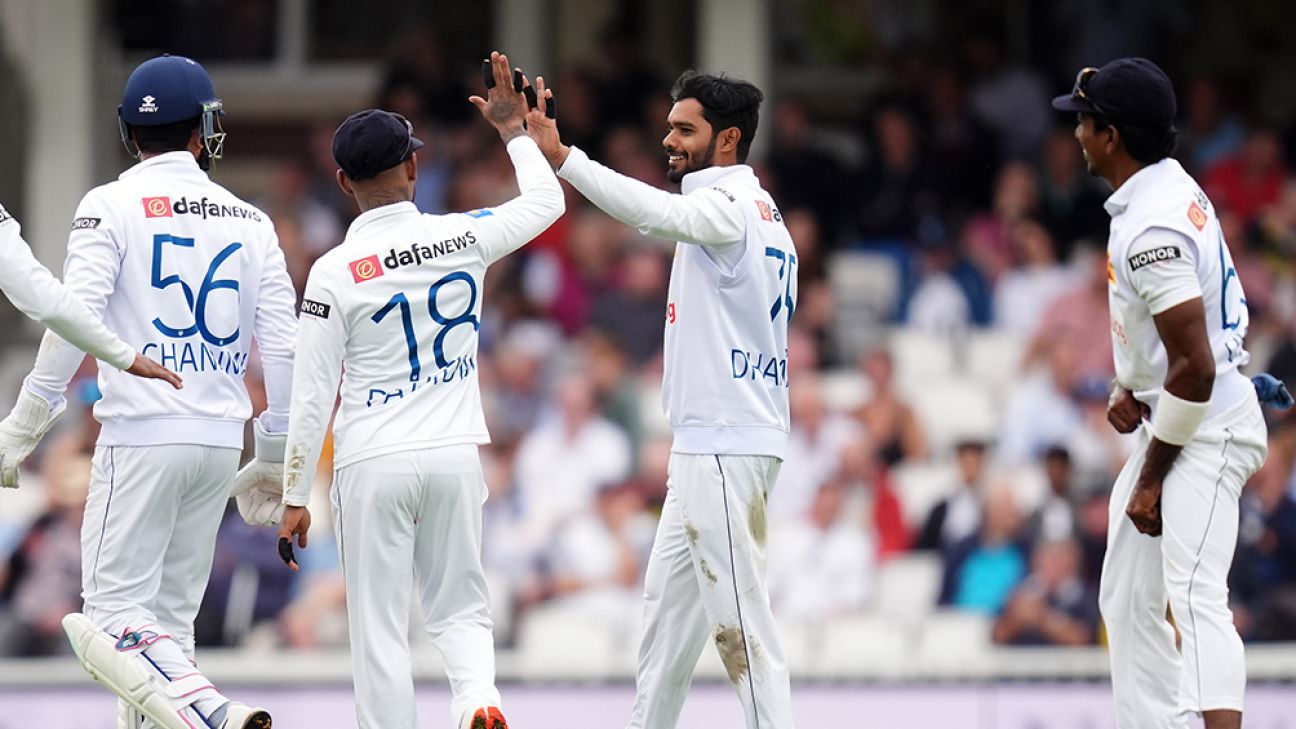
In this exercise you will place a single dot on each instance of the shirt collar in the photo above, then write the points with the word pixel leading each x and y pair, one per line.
pixel 380 213
pixel 702 178
pixel 174 162
pixel 1119 200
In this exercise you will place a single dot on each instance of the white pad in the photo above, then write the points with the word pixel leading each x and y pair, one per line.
pixel 127 716
pixel 122 667
pixel 25 425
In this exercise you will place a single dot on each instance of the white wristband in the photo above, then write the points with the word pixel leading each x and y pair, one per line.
pixel 1176 420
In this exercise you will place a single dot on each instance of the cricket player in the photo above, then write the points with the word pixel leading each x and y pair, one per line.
pixel 732 292
pixel 398 304
pixel 35 292
pixel 1178 321
pixel 188 274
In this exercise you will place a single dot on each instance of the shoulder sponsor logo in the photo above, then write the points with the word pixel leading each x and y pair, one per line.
pixel 768 213
pixel 157 207
pixel 315 308
pixel 1156 255
pixel 480 213
pixel 85 223
pixel 366 268
pixel 726 193
pixel 1197 216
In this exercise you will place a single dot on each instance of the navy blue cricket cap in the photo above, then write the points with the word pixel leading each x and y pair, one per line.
pixel 1132 91
pixel 372 141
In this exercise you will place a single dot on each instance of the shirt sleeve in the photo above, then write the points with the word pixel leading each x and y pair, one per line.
pixel 505 228
pixel 707 217
pixel 317 369
pixel 90 273
pixel 276 335
pixel 38 294
pixel 1162 268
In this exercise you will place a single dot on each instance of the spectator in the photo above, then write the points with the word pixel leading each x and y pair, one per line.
pixel 593 453
pixel 1042 409
pixel 1070 198
pixel 823 566
pixel 891 424
pixel 1053 605
pixel 957 517
pixel 1212 131
pixel 987 239
pixel 1263 578
pixel 517 391
pixel 1079 315
pixel 880 508
pixel 1024 292
pixel 982 570
pixel 963 151
pixel 814 446
pixel 1251 180
pixel 630 313
pixel 248 584
pixel 1011 100
pixel 805 175
pixel 1055 519
pixel 894 190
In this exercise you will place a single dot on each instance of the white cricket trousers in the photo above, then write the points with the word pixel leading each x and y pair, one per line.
pixel 1155 685
pixel 706 583
pixel 412 520
pixel 147 543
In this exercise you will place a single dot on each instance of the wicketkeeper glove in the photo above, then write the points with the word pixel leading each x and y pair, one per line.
pixel 28 422
pixel 258 487
pixel 1271 391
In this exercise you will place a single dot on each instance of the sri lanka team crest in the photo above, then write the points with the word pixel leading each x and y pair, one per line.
pixel 1197 216
pixel 366 268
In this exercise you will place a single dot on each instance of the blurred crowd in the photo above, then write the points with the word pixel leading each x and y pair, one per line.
pixel 966 202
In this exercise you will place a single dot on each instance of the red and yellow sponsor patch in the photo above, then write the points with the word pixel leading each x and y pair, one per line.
pixel 157 207
pixel 1197 216
pixel 1111 271
pixel 366 268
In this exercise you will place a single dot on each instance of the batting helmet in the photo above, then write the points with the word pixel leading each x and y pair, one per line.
pixel 170 89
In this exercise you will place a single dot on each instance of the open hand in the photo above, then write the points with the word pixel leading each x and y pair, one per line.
pixel 543 126
pixel 150 370
pixel 505 105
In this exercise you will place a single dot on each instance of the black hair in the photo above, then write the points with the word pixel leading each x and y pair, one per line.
pixel 1148 145
pixel 173 137
pixel 726 102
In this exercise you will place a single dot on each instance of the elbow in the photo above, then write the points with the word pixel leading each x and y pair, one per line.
pixel 557 202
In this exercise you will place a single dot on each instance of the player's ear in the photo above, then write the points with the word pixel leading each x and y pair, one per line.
pixel 729 139
pixel 411 167
pixel 344 183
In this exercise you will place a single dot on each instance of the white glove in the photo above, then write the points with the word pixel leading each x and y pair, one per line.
pixel 26 424
pixel 258 487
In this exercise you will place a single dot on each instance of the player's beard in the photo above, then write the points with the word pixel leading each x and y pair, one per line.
pixel 690 165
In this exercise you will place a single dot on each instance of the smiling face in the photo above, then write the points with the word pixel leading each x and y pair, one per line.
pixel 690 141
pixel 1096 146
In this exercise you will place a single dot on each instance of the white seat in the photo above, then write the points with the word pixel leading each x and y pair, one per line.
pixel 865 288
pixel 954 643
pixel 919 486
pixel 845 390
pixel 862 645
pixel 952 409
pixel 995 357
pixel 920 359
pixel 555 642
pixel 908 586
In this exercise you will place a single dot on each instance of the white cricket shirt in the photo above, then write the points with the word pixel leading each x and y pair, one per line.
pixel 1166 247
pixel 35 292
pixel 188 275
pixel 394 312
pixel 732 292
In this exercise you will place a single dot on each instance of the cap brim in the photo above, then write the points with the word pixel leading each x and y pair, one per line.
pixel 415 143
pixel 1069 102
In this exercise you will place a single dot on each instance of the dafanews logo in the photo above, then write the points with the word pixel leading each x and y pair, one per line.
pixel 1156 255
pixel 162 207
pixel 366 268
pixel 417 254
pixel 315 308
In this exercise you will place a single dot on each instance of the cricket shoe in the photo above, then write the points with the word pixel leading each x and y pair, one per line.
pixel 487 717
pixel 241 716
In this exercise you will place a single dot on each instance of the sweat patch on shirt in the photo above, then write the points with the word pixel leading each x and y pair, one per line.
pixel 1155 255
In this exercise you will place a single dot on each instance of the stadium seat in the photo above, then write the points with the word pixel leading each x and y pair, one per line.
pixel 919 486
pixel 862 643
pixel 908 586
pixel 920 359
pixel 865 287
pixel 952 409
pixel 651 415
pixel 995 358
pixel 559 643
pixel 954 643
pixel 845 390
